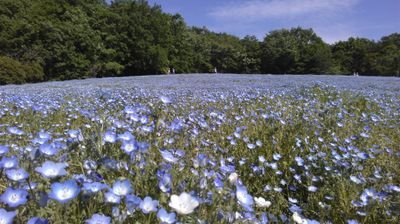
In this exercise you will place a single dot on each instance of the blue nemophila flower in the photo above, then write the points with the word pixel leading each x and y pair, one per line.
pixel 48 149
pixel 147 129
pixel 110 137
pixel 276 156
pixel 356 180
pixel 244 198
pixel 93 187
pixel 391 188
pixel 312 188
pixel 17 174
pixel 7 217
pixel 14 197
pixel 42 138
pixel 251 146
pixel 166 217
pixel 37 220
pixel 129 146
pixel 50 169
pixel 3 150
pixel 110 197
pixel 132 201
pixel 165 99
pixel 299 161
pixel 89 164
pixel 74 133
pixel 15 131
pixel 122 187
pixel 144 119
pixel 148 205
pixel 44 135
pixel 168 156
pixel 65 191
pixel 126 136
pixel 99 219
pixel 218 183
pixel 363 155
pixel 164 181
pixel 9 162
pixel 176 125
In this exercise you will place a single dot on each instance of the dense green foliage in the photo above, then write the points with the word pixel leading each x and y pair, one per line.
pixel 295 51
pixel 78 39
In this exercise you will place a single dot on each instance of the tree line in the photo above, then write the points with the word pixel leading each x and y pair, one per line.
pixel 44 40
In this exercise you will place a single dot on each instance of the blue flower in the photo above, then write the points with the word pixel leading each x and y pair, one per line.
pixel 165 99
pixel 6 217
pixel 312 188
pixel 3 150
pixel 9 162
pixel 127 136
pixel 65 191
pixel 37 220
pixel 165 182
pixel 276 156
pixel 110 137
pixel 99 219
pixel 122 188
pixel 42 138
pixel 166 217
pixel 89 164
pixel 50 169
pixel 17 174
pixel 110 197
pixel 14 197
pixel 129 146
pixel 168 156
pixel 74 133
pixel 93 187
pixel 148 205
pixel 176 125
pixel 15 131
pixel 244 199
pixel 132 201
pixel 48 149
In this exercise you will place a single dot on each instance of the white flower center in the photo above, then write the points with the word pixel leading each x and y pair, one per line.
pixel 65 193
pixel 51 172
pixel 14 198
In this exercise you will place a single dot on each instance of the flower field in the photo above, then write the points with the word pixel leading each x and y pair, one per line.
pixel 201 149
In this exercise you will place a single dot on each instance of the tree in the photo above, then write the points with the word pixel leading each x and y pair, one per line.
pixel 354 55
pixel 388 55
pixel 13 71
pixel 72 39
pixel 251 61
pixel 294 51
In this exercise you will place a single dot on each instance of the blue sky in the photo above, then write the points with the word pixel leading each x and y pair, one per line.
pixel 333 20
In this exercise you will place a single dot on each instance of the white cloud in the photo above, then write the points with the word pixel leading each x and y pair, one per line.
pixel 330 19
pixel 254 10
pixel 336 32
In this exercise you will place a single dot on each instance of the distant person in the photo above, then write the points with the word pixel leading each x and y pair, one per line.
pixel 215 70
pixel 173 70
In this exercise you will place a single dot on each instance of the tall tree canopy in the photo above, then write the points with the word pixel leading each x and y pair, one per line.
pixel 296 50
pixel 70 39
